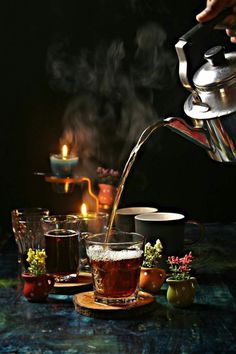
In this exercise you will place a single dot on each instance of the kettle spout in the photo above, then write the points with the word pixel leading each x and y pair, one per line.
pixel 196 135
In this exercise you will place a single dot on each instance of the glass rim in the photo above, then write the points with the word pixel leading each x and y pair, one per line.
pixel 60 218
pixel 89 238
pixel 98 215
pixel 29 210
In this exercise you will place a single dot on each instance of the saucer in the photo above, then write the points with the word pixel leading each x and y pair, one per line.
pixel 85 305
pixel 83 283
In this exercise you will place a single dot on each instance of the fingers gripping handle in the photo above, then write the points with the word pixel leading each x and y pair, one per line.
pixel 201 29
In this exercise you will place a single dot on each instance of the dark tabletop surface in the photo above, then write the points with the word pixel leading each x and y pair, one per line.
pixel 208 326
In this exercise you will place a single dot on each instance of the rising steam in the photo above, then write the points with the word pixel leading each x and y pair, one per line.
pixel 112 94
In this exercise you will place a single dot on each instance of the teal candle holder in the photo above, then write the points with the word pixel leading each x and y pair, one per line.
pixel 63 166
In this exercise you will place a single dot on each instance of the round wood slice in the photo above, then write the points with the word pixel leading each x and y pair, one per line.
pixel 85 305
pixel 83 283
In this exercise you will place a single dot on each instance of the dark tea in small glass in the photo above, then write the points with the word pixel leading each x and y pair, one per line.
pixel 61 233
pixel 62 250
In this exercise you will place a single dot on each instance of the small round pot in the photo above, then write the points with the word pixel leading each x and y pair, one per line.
pixel 151 279
pixel 106 194
pixel 37 288
pixel 181 293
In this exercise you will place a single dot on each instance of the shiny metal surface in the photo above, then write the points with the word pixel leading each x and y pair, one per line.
pixel 217 136
pixel 212 103
pixel 183 64
pixel 212 77
pixel 216 88
pixel 222 135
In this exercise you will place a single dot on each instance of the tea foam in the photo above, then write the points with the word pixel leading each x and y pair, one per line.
pixel 98 253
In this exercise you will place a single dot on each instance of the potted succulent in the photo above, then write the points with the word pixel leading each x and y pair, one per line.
pixel 37 284
pixel 108 180
pixel 152 276
pixel 181 285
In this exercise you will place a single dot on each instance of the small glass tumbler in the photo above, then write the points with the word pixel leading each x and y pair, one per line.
pixel 92 223
pixel 115 266
pixel 28 231
pixel 61 233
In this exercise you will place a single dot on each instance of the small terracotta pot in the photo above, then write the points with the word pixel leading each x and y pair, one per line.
pixel 151 279
pixel 37 288
pixel 106 194
pixel 181 293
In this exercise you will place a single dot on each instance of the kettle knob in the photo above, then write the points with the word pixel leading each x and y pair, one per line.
pixel 216 56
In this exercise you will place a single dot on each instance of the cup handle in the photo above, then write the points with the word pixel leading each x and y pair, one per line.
pixel 201 232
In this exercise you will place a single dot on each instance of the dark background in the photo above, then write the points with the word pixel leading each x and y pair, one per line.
pixel 170 173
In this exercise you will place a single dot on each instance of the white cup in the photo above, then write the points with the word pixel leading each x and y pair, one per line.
pixel 124 219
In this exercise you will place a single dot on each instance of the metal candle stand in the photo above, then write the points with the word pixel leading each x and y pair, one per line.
pixel 66 185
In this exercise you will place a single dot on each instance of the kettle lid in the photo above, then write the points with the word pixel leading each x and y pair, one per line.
pixel 219 71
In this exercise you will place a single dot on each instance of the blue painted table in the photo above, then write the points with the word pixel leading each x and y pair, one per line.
pixel 208 326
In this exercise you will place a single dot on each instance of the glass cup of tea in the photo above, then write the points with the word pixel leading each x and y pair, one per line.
pixel 115 265
pixel 28 231
pixel 61 235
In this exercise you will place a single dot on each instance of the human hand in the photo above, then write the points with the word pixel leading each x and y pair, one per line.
pixel 213 8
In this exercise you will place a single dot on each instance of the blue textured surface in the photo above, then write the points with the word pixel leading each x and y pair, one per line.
pixel 208 326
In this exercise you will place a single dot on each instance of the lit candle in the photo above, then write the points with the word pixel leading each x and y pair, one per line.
pixel 91 221
pixel 84 210
pixel 63 165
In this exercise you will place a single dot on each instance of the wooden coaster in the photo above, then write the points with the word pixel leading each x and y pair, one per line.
pixel 83 283
pixel 85 305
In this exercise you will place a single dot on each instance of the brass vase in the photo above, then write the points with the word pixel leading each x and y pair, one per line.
pixel 181 293
pixel 106 195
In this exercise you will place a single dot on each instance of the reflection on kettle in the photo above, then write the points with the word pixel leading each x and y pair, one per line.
pixel 212 103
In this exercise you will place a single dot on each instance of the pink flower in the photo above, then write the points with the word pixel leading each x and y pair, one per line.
pixel 173 260
pixel 180 267
pixel 184 269
pixel 187 259
pixel 108 176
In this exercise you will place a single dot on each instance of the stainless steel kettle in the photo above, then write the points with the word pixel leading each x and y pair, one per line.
pixel 212 103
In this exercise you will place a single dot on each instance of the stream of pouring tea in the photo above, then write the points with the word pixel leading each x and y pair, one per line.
pixel 143 137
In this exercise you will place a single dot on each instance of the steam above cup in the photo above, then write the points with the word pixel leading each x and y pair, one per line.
pixel 124 219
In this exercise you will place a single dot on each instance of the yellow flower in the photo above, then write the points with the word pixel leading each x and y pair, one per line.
pixel 36 260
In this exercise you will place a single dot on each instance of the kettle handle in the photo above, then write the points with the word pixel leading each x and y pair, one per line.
pixel 196 33
pixel 201 29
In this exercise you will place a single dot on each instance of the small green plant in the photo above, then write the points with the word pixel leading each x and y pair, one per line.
pixel 152 254
pixel 36 260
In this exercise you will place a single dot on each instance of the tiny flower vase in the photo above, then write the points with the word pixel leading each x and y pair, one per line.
pixel 106 195
pixel 152 279
pixel 181 293
pixel 37 288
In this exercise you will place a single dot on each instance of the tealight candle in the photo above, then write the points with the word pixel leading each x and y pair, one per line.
pixel 63 165
pixel 90 222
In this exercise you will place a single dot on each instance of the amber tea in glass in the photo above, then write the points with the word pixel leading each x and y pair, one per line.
pixel 115 266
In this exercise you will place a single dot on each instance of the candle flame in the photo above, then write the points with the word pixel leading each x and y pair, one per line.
pixel 64 151
pixel 84 210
